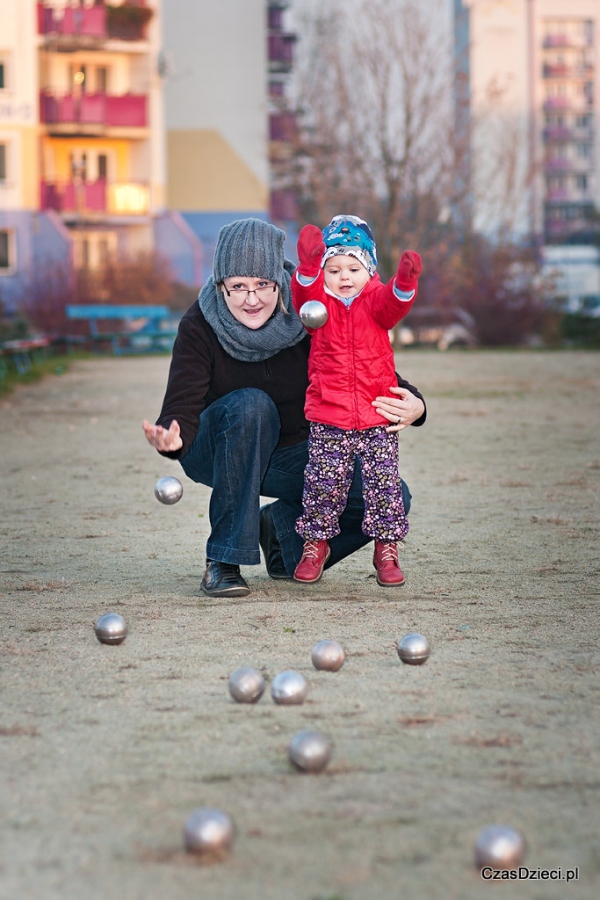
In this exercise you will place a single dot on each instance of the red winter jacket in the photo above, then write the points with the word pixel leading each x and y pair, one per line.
pixel 351 359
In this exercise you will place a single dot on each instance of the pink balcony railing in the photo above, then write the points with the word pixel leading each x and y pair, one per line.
pixel 557 40
pixel 94 22
pixel 101 196
pixel 282 126
pixel 128 110
pixel 556 70
pixel 557 163
pixel 284 205
pixel 281 49
pixel 89 21
pixel 557 133
pixel 556 102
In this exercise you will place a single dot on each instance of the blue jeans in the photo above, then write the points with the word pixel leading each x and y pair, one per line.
pixel 234 454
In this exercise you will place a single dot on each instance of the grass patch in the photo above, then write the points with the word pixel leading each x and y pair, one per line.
pixel 40 368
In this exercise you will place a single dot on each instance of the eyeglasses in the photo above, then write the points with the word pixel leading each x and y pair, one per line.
pixel 263 292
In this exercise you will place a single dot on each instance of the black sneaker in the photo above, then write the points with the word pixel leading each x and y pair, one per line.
pixel 271 547
pixel 223 580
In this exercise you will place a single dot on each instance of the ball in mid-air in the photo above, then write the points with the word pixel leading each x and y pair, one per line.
pixel 168 490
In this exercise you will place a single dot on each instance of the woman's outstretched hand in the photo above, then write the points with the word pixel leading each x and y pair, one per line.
pixel 401 410
pixel 166 441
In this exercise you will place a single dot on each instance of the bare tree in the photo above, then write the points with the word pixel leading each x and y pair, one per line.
pixel 387 130
pixel 143 278
pixel 375 132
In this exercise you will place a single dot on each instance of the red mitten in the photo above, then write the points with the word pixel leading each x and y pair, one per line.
pixel 310 251
pixel 409 269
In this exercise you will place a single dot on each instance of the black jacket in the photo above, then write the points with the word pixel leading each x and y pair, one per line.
pixel 202 372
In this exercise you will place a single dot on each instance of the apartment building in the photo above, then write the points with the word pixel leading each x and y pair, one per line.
pixel 227 120
pixel 540 57
pixel 82 149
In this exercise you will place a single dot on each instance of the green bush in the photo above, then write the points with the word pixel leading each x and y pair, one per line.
pixel 581 331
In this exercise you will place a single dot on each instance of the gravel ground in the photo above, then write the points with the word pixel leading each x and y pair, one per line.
pixel 106 750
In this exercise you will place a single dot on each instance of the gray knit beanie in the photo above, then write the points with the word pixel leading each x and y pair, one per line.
pixel 251 248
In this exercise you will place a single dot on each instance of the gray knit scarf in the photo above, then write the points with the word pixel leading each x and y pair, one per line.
pixel 282 329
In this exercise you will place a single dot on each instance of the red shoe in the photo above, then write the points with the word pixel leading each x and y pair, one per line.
pixel 314 557
pixel 385 560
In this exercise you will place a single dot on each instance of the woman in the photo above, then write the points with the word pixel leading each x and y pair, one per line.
pixel 233 412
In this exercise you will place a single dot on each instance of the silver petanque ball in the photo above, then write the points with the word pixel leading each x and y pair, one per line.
pixel 246 685
pixel 413 649
pixel 168 490
pixel 309 751
pixel 500 847
pixel 111 629
pixel 289 688
pixel 328 655
pixel 209 832
pixel 313 314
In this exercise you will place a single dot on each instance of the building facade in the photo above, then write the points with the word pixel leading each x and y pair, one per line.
pixel 227 124
pixel 536 63
pixel 82 149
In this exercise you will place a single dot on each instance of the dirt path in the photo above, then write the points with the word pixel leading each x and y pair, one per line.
pixel 106 750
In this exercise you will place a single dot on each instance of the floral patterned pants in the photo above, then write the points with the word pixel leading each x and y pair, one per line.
pixel 328 475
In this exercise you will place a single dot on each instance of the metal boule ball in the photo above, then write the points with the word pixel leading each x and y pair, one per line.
pixel 168 490
pixel 209 832
pixel 413 649
pixel 309 751
pixel 246 685
pixel 313 314
pixel 500 847
pixel 289 688
pixel 328 655
pixel 111 629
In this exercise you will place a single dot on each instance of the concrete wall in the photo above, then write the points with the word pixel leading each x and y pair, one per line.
pixel 216 112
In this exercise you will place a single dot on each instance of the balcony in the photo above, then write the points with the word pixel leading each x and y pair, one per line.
pixel 101 110
pixel 94 198
pixel 558 195
pixel 556 70
pixel 553 103
pixel 284 206
pixel 69 27
pixel 578 106
pixel 71 21
pixel 557 164
pixel 558 134
pixel 282 127
pixel 281 52
pixel 564 41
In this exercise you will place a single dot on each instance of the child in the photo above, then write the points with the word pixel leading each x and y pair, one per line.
pixel 351 362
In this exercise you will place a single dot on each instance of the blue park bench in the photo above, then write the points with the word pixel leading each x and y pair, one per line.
pixel 144 329
pixel 22 354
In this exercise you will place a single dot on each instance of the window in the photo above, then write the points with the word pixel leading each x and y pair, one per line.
pixel 2 163
pixel 581 182
pixel 4 71
pixel 6 250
